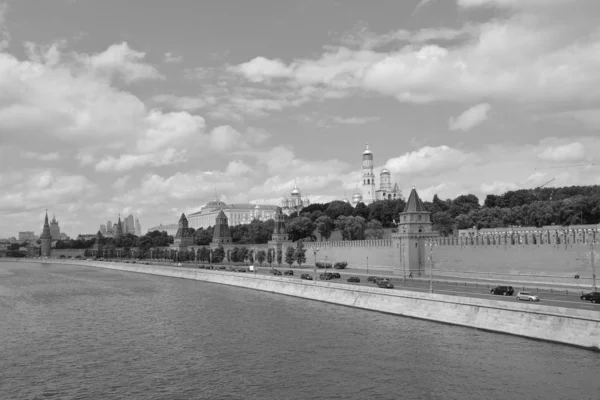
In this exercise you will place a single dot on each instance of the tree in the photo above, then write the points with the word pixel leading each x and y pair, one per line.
pixel 325 226
pixel 234 255
pixel 218 254
pixel 270 257
pixel 203 254
pixel 203 237
pixel 442 222
pixel 261 255
pixel 279 256
pixel 374 230
pixel 300 228
pixel 290 255
pixel 300 253
pixel 361 210
pixel 337 208
pixel 351 228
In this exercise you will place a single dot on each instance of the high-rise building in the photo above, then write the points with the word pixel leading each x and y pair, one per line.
pixel 54 228
pixel 103 229
pixel 138 227
pixel 109 226
pixel 129 225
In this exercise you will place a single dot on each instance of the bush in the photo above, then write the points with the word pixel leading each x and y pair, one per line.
pixel 321 264
pixel 340 265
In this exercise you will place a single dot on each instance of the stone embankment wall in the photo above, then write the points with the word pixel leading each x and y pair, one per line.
pixel 569 326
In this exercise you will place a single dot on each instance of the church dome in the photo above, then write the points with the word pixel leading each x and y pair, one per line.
pixel 367 151
pixel 357 198
pixel 295 190
pixel 346 200
pixel 384 172
pixel 257 207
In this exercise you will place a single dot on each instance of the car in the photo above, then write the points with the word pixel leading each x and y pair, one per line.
pixel 222 267
pixel 307 277
pixel 353 279
pixel 241 269
pixel 526 296
pixel 372 279
pixel 289 272
pixel 382 280
pixel 326 276
pixel 588 296
pixel 201 267
pixel 275 272
pixel 503 290
pixel 336 275
pixel 594 297
pixel 385 284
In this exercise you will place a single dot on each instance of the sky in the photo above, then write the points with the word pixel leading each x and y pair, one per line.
pixel 154 108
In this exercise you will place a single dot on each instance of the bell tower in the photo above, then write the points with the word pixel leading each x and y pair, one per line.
pixel 368 179
pixel 46 238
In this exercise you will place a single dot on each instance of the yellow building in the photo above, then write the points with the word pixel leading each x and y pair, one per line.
pixel 237 214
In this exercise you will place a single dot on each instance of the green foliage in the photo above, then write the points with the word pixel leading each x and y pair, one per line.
pixel 270 256
pixel 300 228
pixel 338 208
pixel 290 255
pixel 203 237
pixel 279 256
pixel 321 264
pixel 261 255
pixel 340 265
pixel 218 254
pixel 325 226
pixel 351 228
pixel 300 253
pixel 374 230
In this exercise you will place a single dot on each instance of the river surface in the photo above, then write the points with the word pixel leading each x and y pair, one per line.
pixel 72 332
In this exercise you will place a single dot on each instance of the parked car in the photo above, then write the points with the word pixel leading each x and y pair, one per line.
pixel 372 279
pixel 222 267
pixel 307 277
pixel 327 276
pixel 241 269
pixel 385 284
pixel 503 290
pixel 289 272
pixel 275 272
pixel 526 296
pixel 594 297
pixel 201 266
pixel 588 296
pixel 353 279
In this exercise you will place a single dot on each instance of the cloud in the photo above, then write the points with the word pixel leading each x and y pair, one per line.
pixel 170 58
pixel 470 118
pixel 121 60
pixel 4 36
pixel 354 120
pixel 129 161
pixel 498 187
pixel 569 152
pixel 40 156
pixel 225 138
pixel 539 54
pixel 427 160
pixel 121 182
pixel 185 103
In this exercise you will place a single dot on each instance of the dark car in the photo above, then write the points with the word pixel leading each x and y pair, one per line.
pixel 385 284
pixel 222 267
pixel 289 272
pixel 372 279
pixel 326 276
pixel 306 277
pixel 241 269
pixel 353 279
pixel 594 297
pixel 275 272
pixel 336 275
pixel 201 266
pixel 503 290
pixel 588 296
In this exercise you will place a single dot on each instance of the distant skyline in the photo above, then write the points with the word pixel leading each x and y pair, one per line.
pixel 148 107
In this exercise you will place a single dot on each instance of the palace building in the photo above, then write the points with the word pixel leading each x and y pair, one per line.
pixel 237 213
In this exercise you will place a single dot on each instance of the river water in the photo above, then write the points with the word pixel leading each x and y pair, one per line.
pixel 71 332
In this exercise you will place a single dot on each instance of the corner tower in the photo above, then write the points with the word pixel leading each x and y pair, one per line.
pixel 414 230
pixel 221 232
pixel 46 238
pixel 368 179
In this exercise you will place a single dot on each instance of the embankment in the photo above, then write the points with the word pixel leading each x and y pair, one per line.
pixel 569 326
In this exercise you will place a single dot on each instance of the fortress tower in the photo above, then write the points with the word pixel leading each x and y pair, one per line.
pixel 414 231
pixel 183 237
pixel 46 238
pixel 221 232
pixel 368 179
pixel 279 240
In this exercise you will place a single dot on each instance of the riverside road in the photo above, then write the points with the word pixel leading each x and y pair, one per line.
pixel 549 295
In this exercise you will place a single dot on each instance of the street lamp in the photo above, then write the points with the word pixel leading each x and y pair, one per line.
pixel 367 265
pixel 593 263
pixel 431 267
pixel 400 248
pixel 315 250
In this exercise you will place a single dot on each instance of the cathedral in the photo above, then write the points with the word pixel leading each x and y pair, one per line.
pixel 295 203
pixel 370 193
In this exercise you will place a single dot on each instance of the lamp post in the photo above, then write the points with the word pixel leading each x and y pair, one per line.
pixel 431 267
pixel 400 248
pixel 315 250
pixel 367 265
pixel 592 261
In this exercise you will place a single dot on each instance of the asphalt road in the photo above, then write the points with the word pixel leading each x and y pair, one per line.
pixel 548 296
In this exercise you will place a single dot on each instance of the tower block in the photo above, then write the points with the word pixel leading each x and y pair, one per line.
pixel 46 238
pixel 414 231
